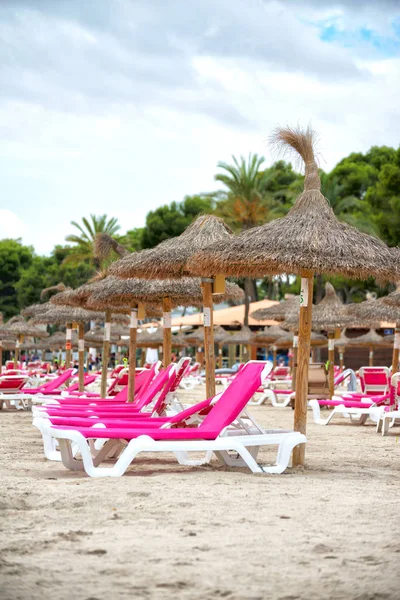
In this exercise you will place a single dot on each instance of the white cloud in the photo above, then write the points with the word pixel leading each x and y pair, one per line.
pixel 122 109
pixel 11 225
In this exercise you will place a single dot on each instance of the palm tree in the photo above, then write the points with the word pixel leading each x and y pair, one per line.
pixel 246 202
pixel 83 251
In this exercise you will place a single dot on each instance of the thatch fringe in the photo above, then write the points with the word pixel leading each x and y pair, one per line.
pixel 104 245
pixel 60 287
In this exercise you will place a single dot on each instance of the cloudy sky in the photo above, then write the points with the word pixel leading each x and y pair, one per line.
pixel 119 106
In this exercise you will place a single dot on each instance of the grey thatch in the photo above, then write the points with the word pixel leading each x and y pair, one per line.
pixel 57 340
pixel 169 259
pixel 60 287
pixel 269 334
pixel 329 314
pixel 197 336
pixel 18 326
pixel 245 337
pixel 36 309
pixel 308 239
pixel 278 312
pixel 156 339
pixel 370 339
pixel 286 341
pixel 220 334
pixel 59 315
pixel 7 344
pixel 393 299
pixel 183 292
pixel 343 341
pixel 96 335
pixel 371 312
pixel 89 296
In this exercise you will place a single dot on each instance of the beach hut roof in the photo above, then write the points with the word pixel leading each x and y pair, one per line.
pixel 169 258
pixel 183 292
pixel 308 239
pixel 278 312
pixel 18 326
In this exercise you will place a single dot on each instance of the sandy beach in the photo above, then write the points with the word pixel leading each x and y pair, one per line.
pixel 164 531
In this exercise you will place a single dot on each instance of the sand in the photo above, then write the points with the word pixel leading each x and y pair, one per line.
pixel 164 531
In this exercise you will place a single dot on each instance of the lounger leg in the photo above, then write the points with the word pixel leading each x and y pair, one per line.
pixel 385 425
pixel 358 421
pixel 67 456
pixel 184 459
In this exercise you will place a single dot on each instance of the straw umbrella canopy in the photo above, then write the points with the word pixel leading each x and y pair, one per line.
pixel 19 328
pixel 80 297
pixel 330 314
pixel 60 315
pixel 269 334
pixel 197 337
pixel 169 259
pixel 244 337
pixel 96 335
pixel 180 292
pixel 286 341
pixel 278 312
pixel 308 240
pixel 370 340
pixel 371 312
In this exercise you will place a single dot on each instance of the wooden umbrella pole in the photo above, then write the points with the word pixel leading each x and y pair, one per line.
pixel 68 345
pixel 167 338
pixel 81 355
pixel 132 356
pixel 313 355
pixel 303 357
pixel 206 285
pixel 220 356
pixel 294 365
pixel 331 360
pixel 274 356
pixel 396 347
pixel 16 351
pixel 1 356
pixel 371 357
pixel 106 354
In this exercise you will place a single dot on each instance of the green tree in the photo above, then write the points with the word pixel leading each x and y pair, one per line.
pixel 172 219
pixel 384 198
pixel 246 202
pixel 132 240
pixel 46 271
pixel 14 258
pixel 83 249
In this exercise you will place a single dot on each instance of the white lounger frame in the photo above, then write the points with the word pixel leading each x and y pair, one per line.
pixel 357 416
pixel 245 446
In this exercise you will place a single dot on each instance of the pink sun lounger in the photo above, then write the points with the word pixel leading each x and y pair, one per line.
pixel 220 432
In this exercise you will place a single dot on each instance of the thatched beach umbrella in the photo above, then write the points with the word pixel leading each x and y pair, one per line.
pixel 169 259
pixel 370 340
pixel 280 311
pixel 18 327
pixel 80 298
pixel 196 338
pixel 156 340
pixel 244 338
pixel 308 240
pixel 268 336
pixel 330 314
pixel 371 312
pixel 180 292
pixel 286 341
pixel 61 315
pixel 7 342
